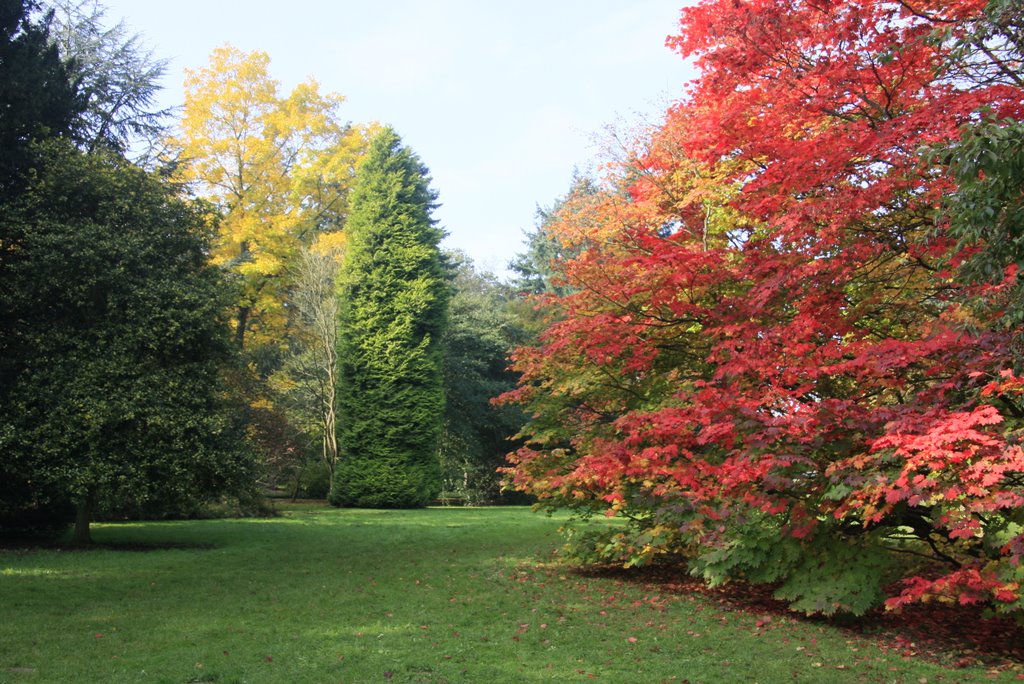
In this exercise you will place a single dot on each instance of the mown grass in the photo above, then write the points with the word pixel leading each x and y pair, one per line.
pixel 437 595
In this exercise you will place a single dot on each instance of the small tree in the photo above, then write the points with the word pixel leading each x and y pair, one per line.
pixel 393 299
pixel 309 378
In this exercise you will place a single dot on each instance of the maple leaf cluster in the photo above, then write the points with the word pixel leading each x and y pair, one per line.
pixel 770 360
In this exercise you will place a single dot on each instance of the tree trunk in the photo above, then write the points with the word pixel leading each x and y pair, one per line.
pixel 240 325
pixel 330 439
pixel 297 483
pixel 83 516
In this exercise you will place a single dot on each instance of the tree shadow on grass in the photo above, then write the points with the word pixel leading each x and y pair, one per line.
pixel 951 635
pixel 26 544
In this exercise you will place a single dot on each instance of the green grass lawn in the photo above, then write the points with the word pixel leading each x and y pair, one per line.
pixel 437 595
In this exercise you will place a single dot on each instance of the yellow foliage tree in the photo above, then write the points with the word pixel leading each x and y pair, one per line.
pixel 277 167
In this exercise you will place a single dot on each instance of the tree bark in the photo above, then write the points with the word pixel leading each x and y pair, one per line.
pixel 240 325
pixel 83 516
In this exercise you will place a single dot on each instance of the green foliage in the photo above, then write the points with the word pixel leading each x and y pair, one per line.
pixel 757 551
pixel 987 210
pixel 315 481
pixel 637 536
pixel 632 546
pixel 306 384
pixel 393 298
pixel 825 574
pixel 536 267
pixel 383 483
pixel 279 446
pixel 480 334
pixel 837 575
pixel 115 342
pixel 117 78
pixel 37 97
pixel 37 100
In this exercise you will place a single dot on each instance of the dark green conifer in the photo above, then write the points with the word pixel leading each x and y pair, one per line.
pixel 393 300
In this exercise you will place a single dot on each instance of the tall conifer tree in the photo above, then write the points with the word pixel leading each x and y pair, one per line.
pixel 393 302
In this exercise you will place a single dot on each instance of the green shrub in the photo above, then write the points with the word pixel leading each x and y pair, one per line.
pixel 364 483
pixel 315 482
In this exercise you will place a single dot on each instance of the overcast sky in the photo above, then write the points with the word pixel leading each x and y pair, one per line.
pixel 502 100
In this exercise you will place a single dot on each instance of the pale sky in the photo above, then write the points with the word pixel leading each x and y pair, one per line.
pixel 501 100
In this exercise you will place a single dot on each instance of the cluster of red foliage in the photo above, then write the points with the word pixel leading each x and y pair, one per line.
pixel 766 327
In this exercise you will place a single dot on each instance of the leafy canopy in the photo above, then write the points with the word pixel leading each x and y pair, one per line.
pixel 278 168
pixel 764 334
pixel 112 392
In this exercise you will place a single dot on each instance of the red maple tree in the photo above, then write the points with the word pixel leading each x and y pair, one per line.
pixel 768 361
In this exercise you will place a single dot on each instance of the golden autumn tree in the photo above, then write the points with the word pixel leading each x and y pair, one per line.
pixel 278 167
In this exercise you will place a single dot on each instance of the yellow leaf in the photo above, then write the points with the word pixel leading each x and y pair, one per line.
pixel 278 167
